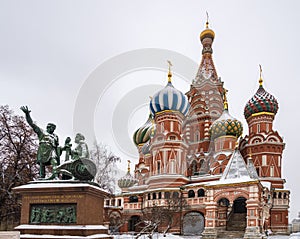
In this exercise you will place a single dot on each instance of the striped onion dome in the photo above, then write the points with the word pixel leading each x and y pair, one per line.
pixel 169 98
pixel 127 181
pixel 142 134
pixel 262 101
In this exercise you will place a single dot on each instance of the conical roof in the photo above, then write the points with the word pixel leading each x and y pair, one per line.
pixel 236 168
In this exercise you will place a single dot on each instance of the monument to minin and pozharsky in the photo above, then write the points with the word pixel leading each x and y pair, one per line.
pixel 66 203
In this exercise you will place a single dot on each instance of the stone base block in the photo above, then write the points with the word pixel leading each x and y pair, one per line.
pixel 253 233
pixel 59 231
pixel 9 235
pixel 209 233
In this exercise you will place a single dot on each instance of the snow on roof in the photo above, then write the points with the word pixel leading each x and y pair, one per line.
pixel 61 227
pixel 32 236
pixel 266 184
pixel 57 184
pixel 236 168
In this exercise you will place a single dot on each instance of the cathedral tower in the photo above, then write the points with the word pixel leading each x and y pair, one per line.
pixel 205 97
pixel 263 142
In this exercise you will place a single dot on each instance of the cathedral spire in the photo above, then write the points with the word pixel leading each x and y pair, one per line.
pixel 206 69
pixel 169 73
pixel 128 167
pixel 225 99
pixel 260 76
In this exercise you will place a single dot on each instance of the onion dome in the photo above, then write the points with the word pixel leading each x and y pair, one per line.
pixel 169 98
pixel 207 33
pixel 262 101
pixel 226 124
pixel 142 134
pixel 128 180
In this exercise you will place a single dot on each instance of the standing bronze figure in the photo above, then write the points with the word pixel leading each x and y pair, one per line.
pixel 48 151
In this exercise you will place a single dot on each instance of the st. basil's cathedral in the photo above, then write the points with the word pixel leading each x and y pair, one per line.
pixel 191 149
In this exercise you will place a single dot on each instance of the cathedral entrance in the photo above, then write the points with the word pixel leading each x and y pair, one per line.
pixel 193 223
pixel 132 223
pixel 238 217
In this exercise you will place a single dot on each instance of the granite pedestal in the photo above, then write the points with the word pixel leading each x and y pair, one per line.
pixel 59 209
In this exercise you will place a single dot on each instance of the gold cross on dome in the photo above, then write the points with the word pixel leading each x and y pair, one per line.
pixel 260 75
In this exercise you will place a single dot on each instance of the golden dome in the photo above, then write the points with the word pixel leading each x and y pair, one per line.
pixel 207 33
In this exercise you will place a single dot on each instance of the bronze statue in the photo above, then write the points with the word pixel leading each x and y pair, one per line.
pixel 81 151
pixel 48 151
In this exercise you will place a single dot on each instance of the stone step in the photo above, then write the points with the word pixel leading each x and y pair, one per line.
pixel 231 234
pixel 236 222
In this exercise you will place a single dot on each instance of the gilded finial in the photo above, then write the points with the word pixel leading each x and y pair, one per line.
pixel 169 73
pixel 250 153
pixel 128 168
pixel 237 144
pixel 225 99
pixel 260 76
pixel 207 22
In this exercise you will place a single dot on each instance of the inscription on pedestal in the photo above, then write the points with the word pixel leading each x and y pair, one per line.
pixel 53 198
pixel 52 213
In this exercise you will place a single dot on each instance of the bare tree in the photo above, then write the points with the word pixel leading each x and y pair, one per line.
pixel 163 216
pixel 105 161
pixel 18 146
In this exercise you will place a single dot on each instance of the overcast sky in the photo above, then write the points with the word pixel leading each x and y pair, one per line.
pixel 50 49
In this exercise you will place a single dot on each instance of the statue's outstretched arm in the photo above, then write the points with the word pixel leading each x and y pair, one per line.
pixel 30 121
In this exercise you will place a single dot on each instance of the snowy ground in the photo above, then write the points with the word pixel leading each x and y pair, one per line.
pixel 170 236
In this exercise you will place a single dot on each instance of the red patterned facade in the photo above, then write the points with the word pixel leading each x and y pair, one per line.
pixel 190 148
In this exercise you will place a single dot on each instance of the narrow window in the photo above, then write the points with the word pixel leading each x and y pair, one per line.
pixel 167 195
pixel 264 160
pixel 154 196
pixel 158 167
pixel 159 195
pixel 272 171
pixel 258 128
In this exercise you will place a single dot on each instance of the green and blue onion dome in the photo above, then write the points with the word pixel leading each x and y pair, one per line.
pixel 261 102
pixel 226 124
pixel 128 180
pixel 143 134
pixel 169 98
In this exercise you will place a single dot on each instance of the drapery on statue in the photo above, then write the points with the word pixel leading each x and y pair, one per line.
pixel 48 152
pixel 81 151
pixel 80 167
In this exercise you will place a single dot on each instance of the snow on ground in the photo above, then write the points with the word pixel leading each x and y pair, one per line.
pixel 170 236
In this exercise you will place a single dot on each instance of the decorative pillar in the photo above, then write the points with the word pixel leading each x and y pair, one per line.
pixel 253 229
pixel 210 231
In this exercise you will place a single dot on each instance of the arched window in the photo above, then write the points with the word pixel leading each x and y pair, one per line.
pixel 284 196
pixel 279 195
pixel 167 195
pixel 154 196
pixel 201 192
pixel 149 196
pixel 175 195
pixel 194 167
pixel 191 194
pixel 159 195
pixel 133 199
pixel 223 202
pixel 274 195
